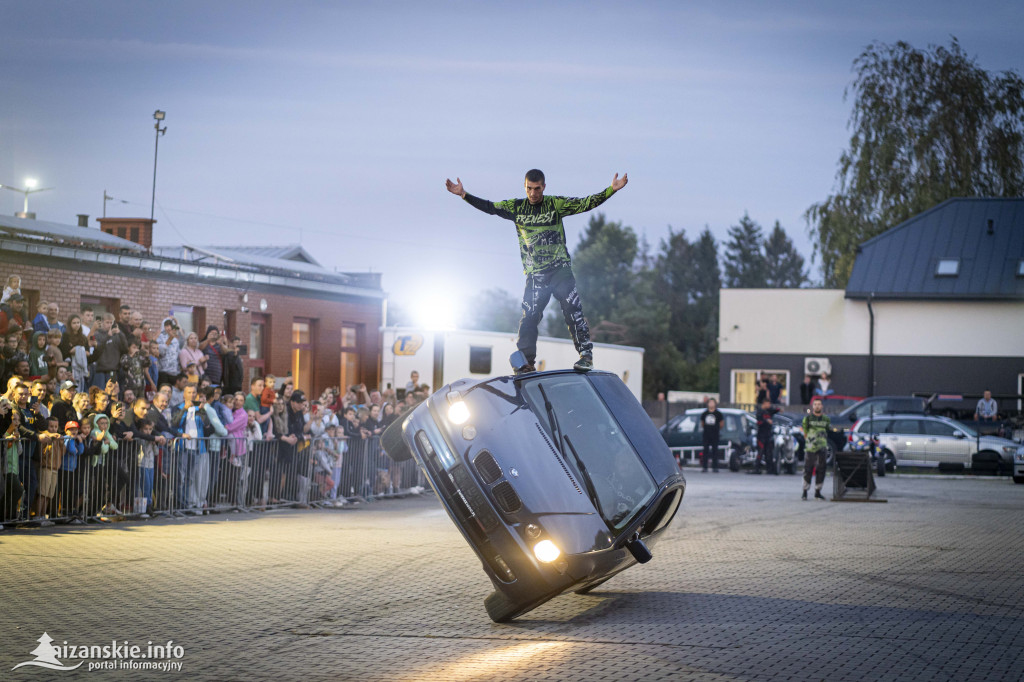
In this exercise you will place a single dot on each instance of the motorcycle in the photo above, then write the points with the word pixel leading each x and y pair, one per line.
pixel 785 447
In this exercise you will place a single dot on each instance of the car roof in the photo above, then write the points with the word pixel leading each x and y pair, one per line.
pixel 723 410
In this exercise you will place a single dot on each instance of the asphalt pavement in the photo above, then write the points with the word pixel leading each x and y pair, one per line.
pixel 751 583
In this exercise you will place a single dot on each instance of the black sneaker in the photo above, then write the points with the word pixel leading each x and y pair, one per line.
pixel 818 495
pixel 803 495
pixel 585 363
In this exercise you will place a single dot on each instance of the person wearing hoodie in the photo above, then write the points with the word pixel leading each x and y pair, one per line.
pixel 206 492
pixel 37 356
pixel 100 449
pixel 111 344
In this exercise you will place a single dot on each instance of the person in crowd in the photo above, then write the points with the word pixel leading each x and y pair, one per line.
pixel 253 402
pixel 207 466
pixel 987 410
pixel 38 393
pixel 375 420
pixel 816 426
pixel 178 389
pixel 191 354
pixel 111 344
pixel 124 460
pixel 234 373
pixel 69 479
pixel 824 385
pixel 101 449
pixel 13 448
pixel 74 336
pixel 807 390
pixel 256 450
pixel 220 416
pixel 11 288
pixel 88 320
pixel 269 396
pixel 335 448
pixel 210 346
pixel 13 313
pixel 49 319
pixel 51 456
pixel 762 391
pixel 169 346
pixel 293 440
pixel 143 433
pixel 774 389
pixel 236 476
pixel 323 418
pixel 124 320
pixel 37 356
pixel 354 468
pixel 54 358
pixel 711 421
pixel 40 318
pixel 390 414
pixel 190 422
pixel 152 367
pixel 132 368
pixel 165 475
pixel 279 428
pixel 765 442
pixel 113 388
pixel 413 383
pixel 80 403
pixel 62 407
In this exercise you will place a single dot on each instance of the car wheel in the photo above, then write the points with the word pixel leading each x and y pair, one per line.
pixel 394 443
pixel 734 461
pixel 588 588
pixel 500 608
pixel 880 464
pixel 890 461
pixel 986 462
pixel 1018 479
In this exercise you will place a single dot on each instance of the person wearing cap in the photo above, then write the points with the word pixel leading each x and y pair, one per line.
pixel 62 408
pixel 69 479
pixel 298 427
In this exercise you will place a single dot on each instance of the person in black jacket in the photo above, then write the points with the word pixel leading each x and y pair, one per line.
pixel 62 408
pixel 765 446
pixel 711 421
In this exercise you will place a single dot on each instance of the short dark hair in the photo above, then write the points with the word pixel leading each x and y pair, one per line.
pixel 143 423
pixel 534 175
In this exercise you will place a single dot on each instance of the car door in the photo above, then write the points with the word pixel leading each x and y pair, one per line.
pixel 908 441
pixel 942 446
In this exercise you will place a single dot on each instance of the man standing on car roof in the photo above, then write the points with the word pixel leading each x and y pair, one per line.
pixel 816 427
pixel 546 263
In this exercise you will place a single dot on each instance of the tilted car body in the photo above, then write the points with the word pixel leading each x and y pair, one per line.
pixel 557 480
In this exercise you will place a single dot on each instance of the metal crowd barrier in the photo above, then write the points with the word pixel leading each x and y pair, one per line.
pixel 194 476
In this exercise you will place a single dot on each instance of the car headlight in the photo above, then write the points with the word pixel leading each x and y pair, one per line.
pixel 546 551
pixel 1010 450
pixel 458 412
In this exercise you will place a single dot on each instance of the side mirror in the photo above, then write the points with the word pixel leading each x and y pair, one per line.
pixel 960 434
pixel 638 549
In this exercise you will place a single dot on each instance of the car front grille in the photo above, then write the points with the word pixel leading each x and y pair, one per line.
pixel 506 497
pixel 487 468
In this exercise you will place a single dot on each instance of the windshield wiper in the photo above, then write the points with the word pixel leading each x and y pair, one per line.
pixel 556 432
pixel 585 475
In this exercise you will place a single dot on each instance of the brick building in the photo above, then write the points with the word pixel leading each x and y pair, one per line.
pixel 294 316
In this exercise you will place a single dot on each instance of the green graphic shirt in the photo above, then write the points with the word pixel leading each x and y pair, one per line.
pixel 541 235
pixel 816 432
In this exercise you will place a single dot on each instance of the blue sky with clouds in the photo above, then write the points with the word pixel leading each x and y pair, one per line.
pixel 336 123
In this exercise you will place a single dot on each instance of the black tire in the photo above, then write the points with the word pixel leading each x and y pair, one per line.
pixel 880 464
pixel 394 443
pixel 1018 479
pixel 500 608
pixel 589 588
pixel 734 461
pixel 986 462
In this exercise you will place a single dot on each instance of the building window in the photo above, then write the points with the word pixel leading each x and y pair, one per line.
pixel 745 385
pixel 351 335
pixel 479 360
pixel 947 267
pixel 186 321
pixel 99 306
pixel 257 346
pixel 302 354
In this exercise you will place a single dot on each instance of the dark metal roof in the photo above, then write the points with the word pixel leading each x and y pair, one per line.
pixel 65 234
pixel 901 263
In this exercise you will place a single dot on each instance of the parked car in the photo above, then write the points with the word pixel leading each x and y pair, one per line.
pixel 1018 466
pixel 882 404
pixel 933 441
pixel 557 480
pixel 737 444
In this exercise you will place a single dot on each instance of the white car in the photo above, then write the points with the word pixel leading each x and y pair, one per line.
pixel 930 441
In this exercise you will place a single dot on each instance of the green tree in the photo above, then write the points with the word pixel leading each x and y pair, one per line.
pixel 927 125
pixel 603 266
pixel 783 263
pixel 744 256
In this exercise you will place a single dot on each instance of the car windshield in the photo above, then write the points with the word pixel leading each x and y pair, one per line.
pixel 592 444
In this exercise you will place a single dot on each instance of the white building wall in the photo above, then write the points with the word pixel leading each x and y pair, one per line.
pixel 821 322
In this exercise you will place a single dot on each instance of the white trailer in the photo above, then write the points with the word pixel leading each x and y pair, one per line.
pixel 480 355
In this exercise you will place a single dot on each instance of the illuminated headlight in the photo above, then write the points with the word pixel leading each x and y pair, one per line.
pixel 546 551
pixel 1020 455
pixel 458 413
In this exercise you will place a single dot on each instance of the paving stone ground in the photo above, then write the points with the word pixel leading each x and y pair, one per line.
pixel 750 584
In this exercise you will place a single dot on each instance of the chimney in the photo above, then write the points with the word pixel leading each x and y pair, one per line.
pixel 83 220
pixel 138 230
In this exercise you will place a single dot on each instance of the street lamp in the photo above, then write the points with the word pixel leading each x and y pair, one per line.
pixel 159 116
pixel 30 188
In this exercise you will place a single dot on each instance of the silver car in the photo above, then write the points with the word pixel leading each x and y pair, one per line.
pixel 931 441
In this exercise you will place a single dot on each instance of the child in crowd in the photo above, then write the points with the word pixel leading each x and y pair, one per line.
pixel 69 483
pixel 335 447
pixel 153 372
pixel 146 464
pixel 12 287
pixel 269 393
pixel 12 447
pixel 40 317
pixel 54 356
pixel 192 373
pixel 37 356
pixel 50 459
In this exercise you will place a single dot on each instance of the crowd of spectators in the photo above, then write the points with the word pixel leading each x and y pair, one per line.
pixel 103 416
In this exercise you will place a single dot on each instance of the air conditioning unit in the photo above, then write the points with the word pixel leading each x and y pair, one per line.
pixel 816 366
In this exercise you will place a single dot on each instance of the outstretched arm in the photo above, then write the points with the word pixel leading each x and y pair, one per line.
pixel 618 183
pixel 572 205
pixel 455 187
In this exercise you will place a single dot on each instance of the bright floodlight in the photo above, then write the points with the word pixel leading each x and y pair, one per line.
pixel 30 183
pixel 436 312
pixel 159 115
